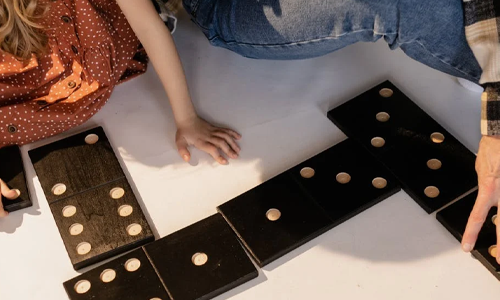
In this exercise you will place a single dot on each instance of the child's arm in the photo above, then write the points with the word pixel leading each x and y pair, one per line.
pixel 191 130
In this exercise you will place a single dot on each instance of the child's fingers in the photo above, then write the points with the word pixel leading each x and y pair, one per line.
pixel 212 150
pixel 182 148
pixel 224 146
pixel 229 140
pixel 232 133
pixel 8 193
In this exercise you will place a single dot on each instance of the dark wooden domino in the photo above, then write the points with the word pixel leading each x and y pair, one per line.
pixel 79 162
pixel 433 167
pixel 298 205
pixel 455 178
pixel 274 218
pixel 345 180
pixel 95 209
pixel 454 219
pixel 13 174
pixel 201 261
pixel 129 277
pixel 110 226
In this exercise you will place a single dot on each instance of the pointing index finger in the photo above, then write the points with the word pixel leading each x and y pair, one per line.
pixel 476 221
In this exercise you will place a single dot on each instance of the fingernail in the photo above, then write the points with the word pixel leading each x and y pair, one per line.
pixel 223 161
pixel 467 247
pixel 498 260
pixel 185 157
pixel 18 192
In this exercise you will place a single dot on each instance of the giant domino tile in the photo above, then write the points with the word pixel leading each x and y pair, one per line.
pixel 270 220
pixel 299 204
pixel 433 167
pixel 94 207
pixel 308 200
pixel 12 173
pixel 200 261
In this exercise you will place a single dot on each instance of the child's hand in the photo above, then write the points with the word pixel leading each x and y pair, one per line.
pixel 159 44
pixel 208 138
pixel 5 192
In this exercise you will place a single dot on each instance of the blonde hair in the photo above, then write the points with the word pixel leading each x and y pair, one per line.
pixel 20 33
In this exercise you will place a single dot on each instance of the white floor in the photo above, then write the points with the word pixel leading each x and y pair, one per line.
pixel 392 251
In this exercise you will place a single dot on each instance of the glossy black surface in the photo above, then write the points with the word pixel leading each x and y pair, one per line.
pixel 301 218
pixel 227 266
pixel 408 145
pixel 344 200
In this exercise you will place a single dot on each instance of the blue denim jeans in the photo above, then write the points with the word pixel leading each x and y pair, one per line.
pixel 429 31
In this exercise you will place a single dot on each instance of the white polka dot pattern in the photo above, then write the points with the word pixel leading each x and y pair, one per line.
pixel 92 49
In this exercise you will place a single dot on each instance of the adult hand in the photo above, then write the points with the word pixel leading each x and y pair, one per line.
pixel 488 172
pixel 208 138
pixel 7 193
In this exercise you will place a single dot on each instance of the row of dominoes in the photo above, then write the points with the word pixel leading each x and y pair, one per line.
pixel 392 141
pixel 298 205
pixel 206 258
pixel 433 167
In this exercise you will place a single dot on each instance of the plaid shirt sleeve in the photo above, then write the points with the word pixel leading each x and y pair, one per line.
pixel 482 24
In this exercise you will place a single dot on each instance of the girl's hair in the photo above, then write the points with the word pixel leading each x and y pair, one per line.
pixel 20 33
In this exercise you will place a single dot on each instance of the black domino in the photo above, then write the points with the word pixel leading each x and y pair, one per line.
pixel 110 226
pixel 198 262
pixel 454 219
pixel 95 209
pixel 274 218
pixel 129 277
pixel 300 204
pixel 13 174
pixel 201 261
pixel 76 164
pixel 347 180
pixel 206 259
pixel 412 139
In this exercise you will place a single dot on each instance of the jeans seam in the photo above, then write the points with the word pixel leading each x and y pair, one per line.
pixel 299 42
pixel 194 7
pixel 438 58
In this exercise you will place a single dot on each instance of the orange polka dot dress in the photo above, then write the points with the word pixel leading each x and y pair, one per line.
pixel 92 49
